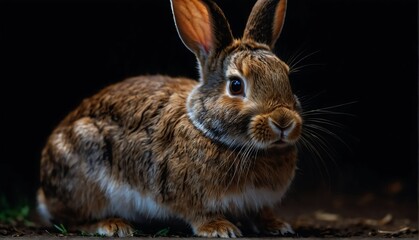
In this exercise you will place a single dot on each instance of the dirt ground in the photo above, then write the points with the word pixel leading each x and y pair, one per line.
pixel 314 216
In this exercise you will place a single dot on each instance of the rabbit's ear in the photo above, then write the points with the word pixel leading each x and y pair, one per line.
pixel 201 25
pixel 265 21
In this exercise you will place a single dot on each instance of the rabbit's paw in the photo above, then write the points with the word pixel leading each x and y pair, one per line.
pixel 269 223
pixel 218 228
pixel 114 227
pixel 277 227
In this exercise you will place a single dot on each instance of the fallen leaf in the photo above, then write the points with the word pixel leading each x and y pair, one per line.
pixel 324 216
pixel 373 222
pixel 402 230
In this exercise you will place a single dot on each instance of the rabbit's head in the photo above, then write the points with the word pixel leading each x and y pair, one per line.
pixel 244 96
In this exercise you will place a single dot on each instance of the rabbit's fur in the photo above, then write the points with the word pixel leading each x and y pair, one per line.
pixel 159 147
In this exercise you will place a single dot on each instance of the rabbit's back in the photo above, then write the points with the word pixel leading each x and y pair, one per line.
pixel 99 159
pixel 123 102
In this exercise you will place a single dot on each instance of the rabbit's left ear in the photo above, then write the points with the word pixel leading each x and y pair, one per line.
pixel 265 21
pixel 202 26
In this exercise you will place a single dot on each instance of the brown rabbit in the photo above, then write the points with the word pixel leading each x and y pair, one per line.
pixel 159 147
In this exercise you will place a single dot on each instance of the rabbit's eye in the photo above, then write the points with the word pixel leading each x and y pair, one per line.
pixel 236 86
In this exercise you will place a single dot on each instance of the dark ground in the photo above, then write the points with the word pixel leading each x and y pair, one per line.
pixel 313 215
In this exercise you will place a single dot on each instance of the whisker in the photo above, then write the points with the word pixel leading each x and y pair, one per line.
pixel 291 60
pixel 325 109
pixel 324 121
pixel 317 155
pixel 330 133
pixel 322 143
pixel 292 65
pixel 324 133
pixel 306 144
pixel 297 69
pixel 250 161
pixel 324 112
pixel 234 166
pixel 242 165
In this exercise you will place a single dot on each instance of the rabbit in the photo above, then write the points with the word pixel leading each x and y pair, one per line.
pixel 161 147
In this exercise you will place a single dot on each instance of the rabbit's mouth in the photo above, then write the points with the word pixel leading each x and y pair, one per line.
pixel 280 143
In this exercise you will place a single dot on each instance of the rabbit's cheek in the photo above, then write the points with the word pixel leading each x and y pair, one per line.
pixel 294 134
pixel 261 132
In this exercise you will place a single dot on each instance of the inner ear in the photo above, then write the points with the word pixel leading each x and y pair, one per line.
pixel 193 24
pixel 201 25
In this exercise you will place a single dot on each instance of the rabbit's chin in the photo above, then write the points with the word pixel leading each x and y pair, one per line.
pixel 280 144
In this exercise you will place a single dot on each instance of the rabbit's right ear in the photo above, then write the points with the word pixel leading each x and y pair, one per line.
pixel 266 21
pixel 202 26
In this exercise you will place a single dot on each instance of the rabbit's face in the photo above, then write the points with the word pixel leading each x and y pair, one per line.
pixel 275 119
pixel 248 102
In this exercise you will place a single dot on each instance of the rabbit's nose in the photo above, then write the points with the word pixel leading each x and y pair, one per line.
pixel 282 128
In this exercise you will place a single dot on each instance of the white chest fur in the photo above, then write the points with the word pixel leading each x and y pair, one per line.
pixel 128 203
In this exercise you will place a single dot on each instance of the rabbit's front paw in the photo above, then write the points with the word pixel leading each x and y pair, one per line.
pixel 113 227
pixel 269 223
pixel 218 228
pixel 277 227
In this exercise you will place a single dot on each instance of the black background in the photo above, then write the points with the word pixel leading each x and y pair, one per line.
pixel 361 54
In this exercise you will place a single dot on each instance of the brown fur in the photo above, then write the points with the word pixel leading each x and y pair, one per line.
pixel 182 148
